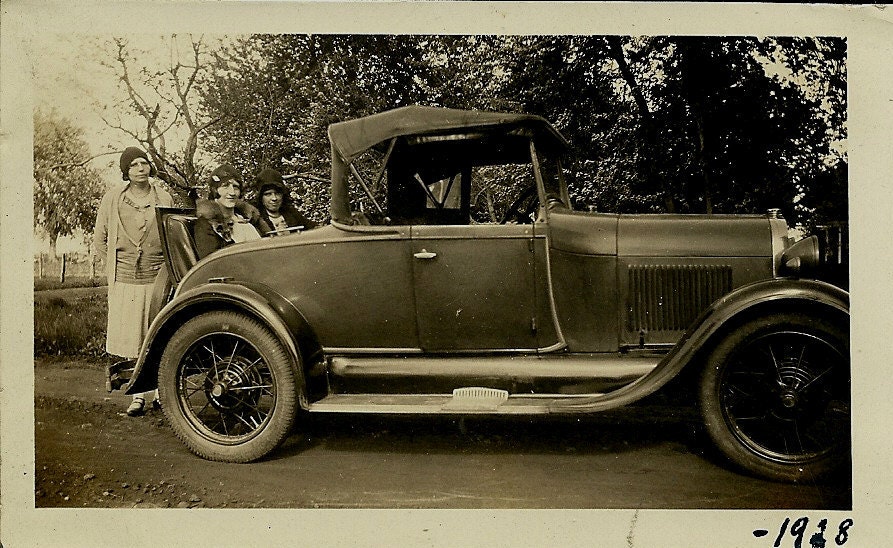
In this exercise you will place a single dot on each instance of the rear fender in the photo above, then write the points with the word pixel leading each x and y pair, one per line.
pixel 746 302
pixel 255 300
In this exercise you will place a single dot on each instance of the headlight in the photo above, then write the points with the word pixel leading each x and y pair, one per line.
pixel 801 257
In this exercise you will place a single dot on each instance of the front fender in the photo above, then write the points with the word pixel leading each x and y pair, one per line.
pixel 255 300
pixel 743 303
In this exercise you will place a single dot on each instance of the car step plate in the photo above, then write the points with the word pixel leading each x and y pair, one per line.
pixel 476 398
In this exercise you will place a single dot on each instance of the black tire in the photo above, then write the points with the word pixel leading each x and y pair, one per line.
pixel 775 397
pixel 228 387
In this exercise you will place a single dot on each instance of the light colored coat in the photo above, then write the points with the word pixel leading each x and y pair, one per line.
pixel 108 222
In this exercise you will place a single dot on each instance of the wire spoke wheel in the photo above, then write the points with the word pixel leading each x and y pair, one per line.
pixel 228 387
pixel 775 397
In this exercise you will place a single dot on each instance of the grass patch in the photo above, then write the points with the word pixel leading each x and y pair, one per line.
pixel 72 327
pixel 41 284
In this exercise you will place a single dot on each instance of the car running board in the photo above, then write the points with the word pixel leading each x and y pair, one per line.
pixel 463 401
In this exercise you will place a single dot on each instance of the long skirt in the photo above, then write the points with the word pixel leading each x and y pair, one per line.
pixel 128 318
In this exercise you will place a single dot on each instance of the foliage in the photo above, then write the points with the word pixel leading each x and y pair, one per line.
pixel 66 191
pixel 687 124
pixel 57 333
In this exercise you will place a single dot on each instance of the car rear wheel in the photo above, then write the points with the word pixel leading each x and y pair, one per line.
pixel 228 387
pixel 775 397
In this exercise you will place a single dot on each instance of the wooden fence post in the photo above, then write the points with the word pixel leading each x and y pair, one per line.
pixel 62 269
pixel 92 267
pixel 40 265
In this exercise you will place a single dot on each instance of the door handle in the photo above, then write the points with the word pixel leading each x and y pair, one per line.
pixel 424 254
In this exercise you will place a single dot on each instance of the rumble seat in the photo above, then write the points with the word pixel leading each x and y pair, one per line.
pixel 180 243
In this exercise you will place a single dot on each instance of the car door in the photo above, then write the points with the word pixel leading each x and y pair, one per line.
pixel 474 287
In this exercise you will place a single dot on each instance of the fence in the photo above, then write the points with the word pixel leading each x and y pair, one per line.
pixel 69 264
pixel 834 246
pixel 835 239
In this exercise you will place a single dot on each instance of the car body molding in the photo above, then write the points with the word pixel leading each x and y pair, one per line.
pixel 708 324
pixel 260 302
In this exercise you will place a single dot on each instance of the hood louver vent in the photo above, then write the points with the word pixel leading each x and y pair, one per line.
pixel 669 297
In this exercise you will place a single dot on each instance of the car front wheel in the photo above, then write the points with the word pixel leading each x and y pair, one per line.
pixel 775 397
pixel 228 387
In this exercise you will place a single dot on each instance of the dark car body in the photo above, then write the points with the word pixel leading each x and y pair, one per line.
pixel 422 304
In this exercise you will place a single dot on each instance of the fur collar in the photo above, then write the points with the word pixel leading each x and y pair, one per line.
pixel 212 212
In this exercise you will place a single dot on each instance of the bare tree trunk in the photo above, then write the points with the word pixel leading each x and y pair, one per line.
pixel 62 268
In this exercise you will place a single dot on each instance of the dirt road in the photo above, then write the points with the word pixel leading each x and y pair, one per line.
pixel 89 454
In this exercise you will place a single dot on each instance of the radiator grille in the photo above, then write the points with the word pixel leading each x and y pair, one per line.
pixel 670 297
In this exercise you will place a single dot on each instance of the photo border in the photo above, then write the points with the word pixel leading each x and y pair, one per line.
pixel 870 75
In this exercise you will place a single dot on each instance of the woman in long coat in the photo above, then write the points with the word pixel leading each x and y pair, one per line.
pixel 127 236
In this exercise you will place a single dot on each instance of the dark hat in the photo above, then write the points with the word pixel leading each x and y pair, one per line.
pixel 269 178
pixel 129 155
pixel 223 173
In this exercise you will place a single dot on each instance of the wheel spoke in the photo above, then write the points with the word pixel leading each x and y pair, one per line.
pixel 252 387
pixel 812 380
pixel 246 423
pixel 775 364
pixel 800 358
pixel 753 418
pixel 214 358
pixel 193 392
pixel 226 388
pixel 231 357
pixel 200 411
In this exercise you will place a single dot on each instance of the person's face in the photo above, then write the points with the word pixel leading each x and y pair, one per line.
pixel 138 171
pixel 272 200
pixel 228 193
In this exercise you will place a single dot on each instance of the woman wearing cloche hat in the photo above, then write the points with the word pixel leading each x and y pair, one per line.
pixel 224 218
pixel 125 235
pixel 277 213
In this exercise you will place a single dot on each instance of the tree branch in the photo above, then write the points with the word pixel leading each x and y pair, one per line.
pixel 77 164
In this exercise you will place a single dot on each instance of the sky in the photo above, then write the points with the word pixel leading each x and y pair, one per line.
pixel 69 77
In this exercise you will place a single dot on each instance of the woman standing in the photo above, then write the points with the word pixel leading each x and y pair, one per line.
pixel 274 203
pixel 126 234
pixel 219 224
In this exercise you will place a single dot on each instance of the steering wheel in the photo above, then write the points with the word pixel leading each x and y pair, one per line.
pixel 524 207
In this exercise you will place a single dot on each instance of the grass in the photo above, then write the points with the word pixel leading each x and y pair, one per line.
pixel 41 284
pixel 72 327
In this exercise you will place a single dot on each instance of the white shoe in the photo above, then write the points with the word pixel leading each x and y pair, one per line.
pixel 136 407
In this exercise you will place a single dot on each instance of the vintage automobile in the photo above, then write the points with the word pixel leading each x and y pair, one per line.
pixel 457 279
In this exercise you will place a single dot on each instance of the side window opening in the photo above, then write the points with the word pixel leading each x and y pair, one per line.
pixel 503 193
pixel 455 180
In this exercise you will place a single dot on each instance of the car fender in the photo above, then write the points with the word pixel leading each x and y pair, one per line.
pixel 744 303
pixel 255 300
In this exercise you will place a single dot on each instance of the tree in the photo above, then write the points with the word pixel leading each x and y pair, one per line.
pixel 66 190
pixel 656 124
pixel 166 100
pixel 277 94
